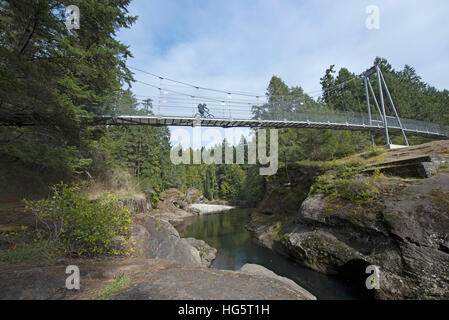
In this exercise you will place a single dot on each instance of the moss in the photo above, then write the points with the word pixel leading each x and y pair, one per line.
pixel 355 213
pixel 275 231
pixel 332 204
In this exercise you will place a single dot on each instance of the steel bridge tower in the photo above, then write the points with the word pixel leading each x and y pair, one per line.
pixel 381 107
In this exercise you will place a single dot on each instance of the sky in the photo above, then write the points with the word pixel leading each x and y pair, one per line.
pixel 238 45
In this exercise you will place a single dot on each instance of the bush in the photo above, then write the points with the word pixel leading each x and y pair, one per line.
pixel 83 226
pixel 323 184
pixel 347 183
pixel 356 189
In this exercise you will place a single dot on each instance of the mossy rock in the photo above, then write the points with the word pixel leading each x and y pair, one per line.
pixel 319 251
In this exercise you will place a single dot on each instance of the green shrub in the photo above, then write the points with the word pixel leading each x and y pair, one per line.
pixel 327 183
pixel 356 189
pixel 81 225
pixel 323 184
pixel 346 183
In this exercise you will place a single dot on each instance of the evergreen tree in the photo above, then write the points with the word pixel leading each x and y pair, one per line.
pixel 54 78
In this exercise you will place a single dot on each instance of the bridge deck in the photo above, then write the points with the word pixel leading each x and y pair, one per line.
pixel 375 126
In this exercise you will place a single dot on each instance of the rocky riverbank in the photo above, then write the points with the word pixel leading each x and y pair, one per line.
pixel 340 224
pixel 145 279
pixel 175 206
pixel 163 266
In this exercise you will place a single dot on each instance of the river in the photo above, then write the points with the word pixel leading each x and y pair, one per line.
pixel 236 246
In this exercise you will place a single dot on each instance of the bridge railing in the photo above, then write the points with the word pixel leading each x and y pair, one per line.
pixel 315 116
pixel 361 119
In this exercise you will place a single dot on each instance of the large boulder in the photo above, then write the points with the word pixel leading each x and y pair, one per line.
pixel 154 237
pixel 257 270
pixel 157 238
pixel 207 253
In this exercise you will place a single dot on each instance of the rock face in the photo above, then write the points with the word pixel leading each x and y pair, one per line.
pixel 419 167
pixel 146 279
pixel 38 283
pixel 156 238
pixel 207 253
pixel 137 205
pixel 405 234
pixel 257 270
pixel 210 284
pixel 173 201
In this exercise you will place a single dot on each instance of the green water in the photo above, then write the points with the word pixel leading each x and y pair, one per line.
pixel 236 246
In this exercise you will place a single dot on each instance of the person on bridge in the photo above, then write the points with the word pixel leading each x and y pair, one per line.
pixel 202 108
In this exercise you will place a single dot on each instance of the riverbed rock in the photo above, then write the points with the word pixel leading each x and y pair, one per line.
pixel 157 238
pixel 319 250
pixel 141 279
pixel 257 270
pixel 207 253
pixel 210 284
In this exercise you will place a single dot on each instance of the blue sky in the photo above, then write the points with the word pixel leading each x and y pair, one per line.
pixel 240 44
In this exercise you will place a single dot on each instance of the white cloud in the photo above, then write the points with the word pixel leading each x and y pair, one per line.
pixel 239 45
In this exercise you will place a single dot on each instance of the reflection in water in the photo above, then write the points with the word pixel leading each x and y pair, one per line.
pixel 226 232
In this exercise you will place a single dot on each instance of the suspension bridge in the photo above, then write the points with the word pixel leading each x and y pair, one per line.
pixel 173 105
pixel 334 121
